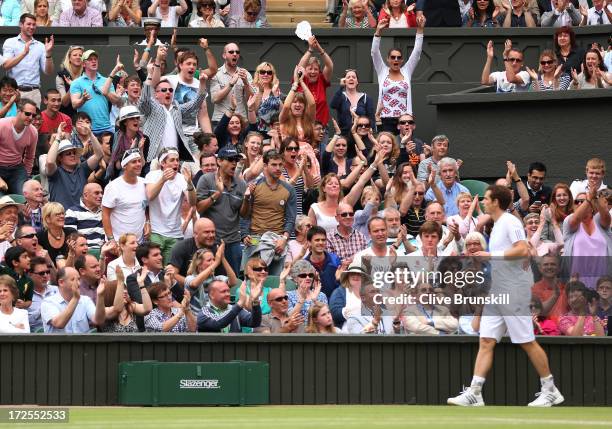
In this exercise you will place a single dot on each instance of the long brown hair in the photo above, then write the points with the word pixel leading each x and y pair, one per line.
pixel 324 182
pixel 110 288
pixel 313 313
pixel 560 213
pixel 289 127
pixel 398 184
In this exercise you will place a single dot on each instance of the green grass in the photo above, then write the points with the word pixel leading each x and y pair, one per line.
pixel 318 417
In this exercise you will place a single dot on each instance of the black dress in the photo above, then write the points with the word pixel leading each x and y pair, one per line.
pixel 43 241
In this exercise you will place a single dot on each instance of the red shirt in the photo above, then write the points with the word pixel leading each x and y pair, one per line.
pixel 319 92
pixel 544 291
pixel 49 126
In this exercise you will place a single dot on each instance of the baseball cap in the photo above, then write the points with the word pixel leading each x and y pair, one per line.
pixel 88 53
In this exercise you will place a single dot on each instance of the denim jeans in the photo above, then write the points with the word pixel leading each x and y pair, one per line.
pixel 233 254
pixel 14 177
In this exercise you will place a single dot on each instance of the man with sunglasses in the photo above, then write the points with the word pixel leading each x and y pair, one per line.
pixel 279 321
pixel 25 236
pixel 18 148
pixel 346 241
pixel 40 273
pixel 411 148
pixel 510 80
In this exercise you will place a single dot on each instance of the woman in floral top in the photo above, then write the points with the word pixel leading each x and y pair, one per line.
pixel 360 16
pixel 165 317
pixel 581 320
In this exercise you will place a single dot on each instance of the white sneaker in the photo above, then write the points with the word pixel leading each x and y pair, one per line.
pixel 467 398
pixel 547 398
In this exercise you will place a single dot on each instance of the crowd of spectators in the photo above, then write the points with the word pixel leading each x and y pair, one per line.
pixel 127 206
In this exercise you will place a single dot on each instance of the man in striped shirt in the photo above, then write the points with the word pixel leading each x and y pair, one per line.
pixel 86 218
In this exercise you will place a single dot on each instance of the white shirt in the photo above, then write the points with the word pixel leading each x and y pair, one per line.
pixel 9 322
pixel 128 203
pixel 171 20
pixel 593 16
pixel 165 209
pixel 34 310
pixel 582 187
pixel 112 266
pixel 504 86
pixel 185 92
pixel 170 137
pixel 78 323
pixel 508 274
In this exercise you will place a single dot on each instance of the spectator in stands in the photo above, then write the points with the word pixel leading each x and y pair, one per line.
pixel 90 274
pixel 345 301
pixel 9 217
pixel 412 149
pixel 308 288
pixel 87 96
pixel 517 14
pixel 220 196
pixel 564 14
pixel 539 193
pixel 218 316
pixel 270 207
pixel 81 14
pixel 561 205
pixel 12 320
pixel 439 150
pixel 412 207
pixel 165 189
pixel 345 241
pixel 205 10
pixel 233 128
pixel 200 273
pixel 427 317
pixel 169 15
pixel 595 173
pixel 542 324
pixel 360 15
pixel 510 80
pixel 484 15
pixel 298 246
pixel 129 136
pixel 587 237
pixel 54 237
pixel 125 199
pixel 208 164
pixel 604 308
pixel 17 264
pixel 320 320
pixel 252 17
pixel 66 172
pixel 550 76
pixel 296 172
pixel 206 143
pixel 163 116
pixel 268 101
pixel 568 52
pixel 229 81
pixel 19 139
pixel 24 58
pixel 398 14
pixel 53 10
pixel 124 13
pixel 279 320
pixel 466 218
pixel 448 188
pixel 51 116
pixel 582 318
pixel 440 13
pixel 348 102
pixel 593 72
pixel 9 97
pixel 40 273
pixel 121 311
pixel 232 8
pixel 550 290
pixel 25 236
pixel 71 69
pixel 327 265
pixel 41 11
pixel 395 80
pixel 252 163
pixel 335 161
pixel 77 246
pixel 67 311
pixel 165 317
pixel 599 14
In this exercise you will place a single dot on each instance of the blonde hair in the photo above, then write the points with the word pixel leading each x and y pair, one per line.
pixel 66 63
pixel 197 259
pixel 256 79
pixel 51 209
pixel 463 195
pixel 9 282
pixel 313 313
pixel 596 163
pixel 368 190
pixel 124 238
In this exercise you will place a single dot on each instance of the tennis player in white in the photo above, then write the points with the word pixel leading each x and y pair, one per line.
pixel 511 274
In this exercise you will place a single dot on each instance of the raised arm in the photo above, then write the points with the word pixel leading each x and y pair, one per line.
pixel 485 79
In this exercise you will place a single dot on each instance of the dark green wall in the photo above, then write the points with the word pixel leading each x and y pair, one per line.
pixel 316 369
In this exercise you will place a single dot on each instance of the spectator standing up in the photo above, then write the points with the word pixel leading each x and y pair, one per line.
pixel 510 80
pixel 86 94
pixel 595 173
pixel 568 52
pixel 18 148
pixel 12 320
pixel 80 15
pixel 25 57
pixel 448 187
pixel 348 101
pixel 67 311
pixel 169 15
pixel 345 241
pixel 395 79
pixel 599 14
pixel 229 81
pixel 220 196
pixel 125 201
pixel 439 13
pixel 439 150
pixel 218 316
pixel 40 273
pixel 166 189
pixel 252 17
pixel 398 13
pixel 564 14
pixel 71 69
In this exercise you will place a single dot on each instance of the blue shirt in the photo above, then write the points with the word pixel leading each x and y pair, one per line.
pixel 450 196
pixel 78 323
pixel 327 274
pixel 27 72
pixel 11 12
pixel 98 107
pixel 12 111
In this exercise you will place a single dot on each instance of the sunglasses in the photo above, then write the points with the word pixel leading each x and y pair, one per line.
pixel 347 214
pixel 170 90
pixel 292 149
pixel 363 125
pixel 579 201
pixel 28 236
pixel 409 122
pixel 28 114
pixel 252 13
pixel 419 193
pixel 260 269
pixel 281 298
pixel 514 60
pixel 306 276
pixel 268 72
pixel 395 57
pixel 42 273
pixel 69 152
pixel 233 52
pixel 546 63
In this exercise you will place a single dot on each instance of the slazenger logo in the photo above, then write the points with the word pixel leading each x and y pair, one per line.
pixel 199 384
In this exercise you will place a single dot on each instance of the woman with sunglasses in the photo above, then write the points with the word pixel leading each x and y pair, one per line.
pixel 205 10
pixel 551 76
pixel 53 237
pixel 71 69
pixel 268 98
pixel 296 170
pixel 251 17
pixel 308 290
pixel 349 103
pixel 561 206
pixel 256 272
pixel 336 161
pixel 484 15
pixel 124 13
pixel 587 237
pixel 362 135
pixel 165 316
pixel 395 79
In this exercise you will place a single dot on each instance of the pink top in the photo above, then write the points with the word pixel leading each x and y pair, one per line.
pixel 394 96
pixel 569 320
pixel 466 225
pixel 15 152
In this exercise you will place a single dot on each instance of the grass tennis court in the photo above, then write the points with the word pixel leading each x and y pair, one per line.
pixel 339 416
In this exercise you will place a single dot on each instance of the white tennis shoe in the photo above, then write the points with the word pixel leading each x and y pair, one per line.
pixel 467 398
pixel 547 398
